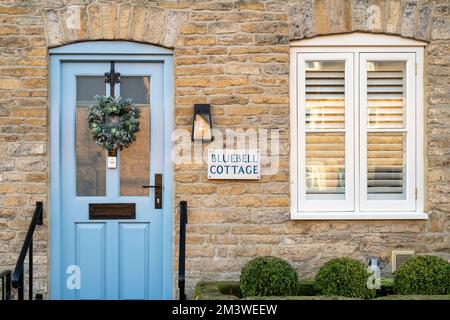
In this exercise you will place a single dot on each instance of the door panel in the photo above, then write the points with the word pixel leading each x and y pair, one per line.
pixel 90 256
pixel 134 260
pixel 118 259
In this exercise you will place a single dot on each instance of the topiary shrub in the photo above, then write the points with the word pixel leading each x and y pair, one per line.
pixel 423 275
pixel 344 277
pixel 268 276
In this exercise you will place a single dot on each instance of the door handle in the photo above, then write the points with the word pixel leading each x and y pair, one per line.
pixel 158 190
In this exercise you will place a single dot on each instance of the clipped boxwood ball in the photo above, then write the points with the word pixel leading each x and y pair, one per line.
pixel 268 276
pixel 423 275
pixel 344 277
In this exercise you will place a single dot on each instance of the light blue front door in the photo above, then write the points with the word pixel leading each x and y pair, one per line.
pixel 116 258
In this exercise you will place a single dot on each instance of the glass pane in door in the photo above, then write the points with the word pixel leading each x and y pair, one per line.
pixel 135 160
pixel 90 157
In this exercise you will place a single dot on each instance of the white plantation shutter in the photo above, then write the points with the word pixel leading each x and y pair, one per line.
pixel 325 149
pixel 386 164
pixel 325 97
pixel 325 163
pixel 325 109
pixel 386 110
pixel 387 121
pixel 385 93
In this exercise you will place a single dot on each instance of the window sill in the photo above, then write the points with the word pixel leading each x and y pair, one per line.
pixel 359 216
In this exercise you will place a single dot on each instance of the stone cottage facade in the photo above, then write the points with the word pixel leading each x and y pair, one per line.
pixel 234 55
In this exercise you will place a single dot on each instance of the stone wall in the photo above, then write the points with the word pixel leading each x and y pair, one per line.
pixel 234 55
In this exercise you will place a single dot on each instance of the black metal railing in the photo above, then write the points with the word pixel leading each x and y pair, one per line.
pixel 182 251
pixel 27 247
pixel 5 276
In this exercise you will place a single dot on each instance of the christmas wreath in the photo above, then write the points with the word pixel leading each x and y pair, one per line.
pixel 113 122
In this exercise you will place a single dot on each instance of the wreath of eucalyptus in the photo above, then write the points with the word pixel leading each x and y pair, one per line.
pixel 114 122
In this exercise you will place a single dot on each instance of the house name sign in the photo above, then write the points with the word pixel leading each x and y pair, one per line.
pixel 234 164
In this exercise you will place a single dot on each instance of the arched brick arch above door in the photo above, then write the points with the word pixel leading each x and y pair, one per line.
pixel 113 22
pixel 161 25
pixel 410 19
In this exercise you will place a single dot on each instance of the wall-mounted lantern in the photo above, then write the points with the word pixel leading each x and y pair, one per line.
pixel 202 124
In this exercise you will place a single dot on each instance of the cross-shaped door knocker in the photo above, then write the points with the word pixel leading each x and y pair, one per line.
pixel 112 77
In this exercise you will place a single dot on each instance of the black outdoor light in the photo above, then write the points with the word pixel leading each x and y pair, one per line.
pixel 202 124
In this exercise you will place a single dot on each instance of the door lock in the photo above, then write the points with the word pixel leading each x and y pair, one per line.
pixel 158 190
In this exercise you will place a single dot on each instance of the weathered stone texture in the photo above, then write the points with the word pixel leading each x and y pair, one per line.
pixel 109 21
pixel 53 30
pixel 393 16
pixel 424 21
pixel 156 18
pixel 95 24
pixel 23 127
pixel 123 25
pixel 411 18
pixel 138 27
pixel 235 55
pixel 408 19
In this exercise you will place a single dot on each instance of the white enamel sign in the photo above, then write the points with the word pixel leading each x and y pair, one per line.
pixel 234 164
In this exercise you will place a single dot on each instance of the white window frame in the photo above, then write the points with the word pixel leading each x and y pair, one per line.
pixel 359 45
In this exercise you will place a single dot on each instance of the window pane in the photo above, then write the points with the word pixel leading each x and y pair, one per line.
pixel 135 160
pixel 386 166
pixel 325 166
pixel 136 88
pixel 386 94
pixel 325 94
pixel 90 157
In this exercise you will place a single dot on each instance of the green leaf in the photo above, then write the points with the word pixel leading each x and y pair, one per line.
pixel 120 134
